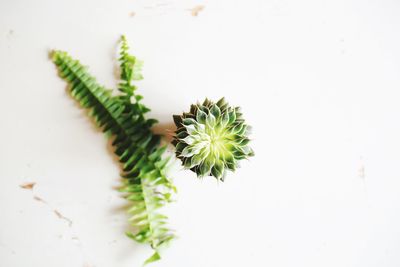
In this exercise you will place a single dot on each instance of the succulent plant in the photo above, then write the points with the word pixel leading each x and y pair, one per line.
pixel 211 138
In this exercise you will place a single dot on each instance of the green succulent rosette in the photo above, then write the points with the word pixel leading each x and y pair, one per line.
pixel 212 138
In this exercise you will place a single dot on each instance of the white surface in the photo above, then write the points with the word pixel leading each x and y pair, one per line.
pixel 318 80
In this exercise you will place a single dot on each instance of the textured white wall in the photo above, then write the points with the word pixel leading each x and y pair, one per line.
pixel 318 80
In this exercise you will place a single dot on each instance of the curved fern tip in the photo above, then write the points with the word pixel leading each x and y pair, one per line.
pixel 212 138
pixel 53 54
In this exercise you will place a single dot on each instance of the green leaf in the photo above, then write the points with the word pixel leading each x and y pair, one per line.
pixel 201 116
pixel 215 111
pixel 153 258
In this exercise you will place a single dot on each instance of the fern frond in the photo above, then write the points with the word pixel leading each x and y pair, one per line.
pixel 142 159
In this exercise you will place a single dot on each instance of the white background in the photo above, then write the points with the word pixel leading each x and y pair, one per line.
pixel 318 80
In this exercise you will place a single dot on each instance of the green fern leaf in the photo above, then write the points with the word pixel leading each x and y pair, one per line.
pixel 143 161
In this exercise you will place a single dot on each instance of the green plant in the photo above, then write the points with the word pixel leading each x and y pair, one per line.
pixel 211 138
pixel 143 160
